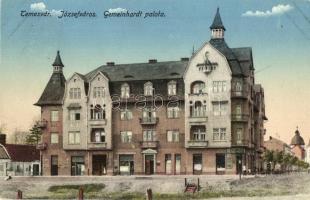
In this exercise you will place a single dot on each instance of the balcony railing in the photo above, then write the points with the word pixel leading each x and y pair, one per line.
pixel 240 117
pixel 149 144
pixel 42 124
pixel 240 94
pixel 197 143
pixel 149 120
pixel 97 145
pixel 42 146
pixel 195 119
pixel 240 143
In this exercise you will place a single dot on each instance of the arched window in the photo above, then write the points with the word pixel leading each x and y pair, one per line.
pixel 197 87
pixel 97 112
pixel 148 89
pixel 198 110
pixel 172 88
pixel 125 91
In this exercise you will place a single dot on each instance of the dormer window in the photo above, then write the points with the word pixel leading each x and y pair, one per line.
pixel 125 91
pixel 198 87
pixel 172 88
pixel 148 89
pixel 98 92
pixel 75 93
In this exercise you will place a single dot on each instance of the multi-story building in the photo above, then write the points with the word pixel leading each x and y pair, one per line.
pixel 199 115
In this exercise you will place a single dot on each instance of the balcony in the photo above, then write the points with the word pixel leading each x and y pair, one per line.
pixel 97 145
pixel 42 124
pixel 42 146
pixel 98 121
pixel 240 94
pixel 241 143
pixel 240 117
pixel 148 120
pixel 197 143
pixel 149 144
pixel 197 120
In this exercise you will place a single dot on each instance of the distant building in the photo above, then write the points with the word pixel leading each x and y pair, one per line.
pixel 297 145
pixel 18 160
pixel 274 144
pixel 307 149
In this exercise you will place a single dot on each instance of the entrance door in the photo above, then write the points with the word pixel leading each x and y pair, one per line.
pixel 35 169
pixel 238 164
pixel 99 165
pixel 168 163
pixel 220 163
pixel 197 164
pixel 126 164
pixel 149 164
pixel 177 163
pixel 54 165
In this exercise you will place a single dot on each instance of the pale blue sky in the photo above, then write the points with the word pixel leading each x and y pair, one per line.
pixel 29 45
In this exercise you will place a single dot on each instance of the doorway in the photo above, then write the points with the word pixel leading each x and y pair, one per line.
pixel 99 165
pixel 35 170
pixel 54 165
pixel 220 163
pixel 149 164
pixel 197 163
pixel 177 163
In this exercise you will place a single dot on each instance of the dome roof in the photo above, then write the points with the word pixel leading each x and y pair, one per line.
pixel 297 139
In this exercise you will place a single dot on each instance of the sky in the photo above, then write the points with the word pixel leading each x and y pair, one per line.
pixel 278 32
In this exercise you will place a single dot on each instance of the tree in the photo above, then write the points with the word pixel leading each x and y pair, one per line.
pixel 34 136
pixel 19 136
pixel 2 127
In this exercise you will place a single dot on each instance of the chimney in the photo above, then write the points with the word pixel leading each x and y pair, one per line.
pixel 110 63
pixel 184 59
pixel 2 139
pixel 152 61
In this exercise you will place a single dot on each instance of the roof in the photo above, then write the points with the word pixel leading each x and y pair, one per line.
pixel 142 71
pixel 58 61
pixel 297 139
pixel 54 90
pixel 240 59
pixel 22 153
pixel 3 153
pixel 217 21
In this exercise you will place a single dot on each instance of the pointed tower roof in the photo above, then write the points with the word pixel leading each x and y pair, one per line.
pixel 217 22
pixel 58 61
pixel 55 88
pixel 297 139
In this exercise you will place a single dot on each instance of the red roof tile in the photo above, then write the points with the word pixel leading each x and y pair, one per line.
pixel 22 153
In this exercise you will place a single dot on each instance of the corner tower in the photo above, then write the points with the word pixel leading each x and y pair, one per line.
pixel 217 28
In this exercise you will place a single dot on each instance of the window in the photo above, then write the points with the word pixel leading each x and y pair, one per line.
pixel 125 91
pixel 219 134
pixel 219 108
pixel 126 114
pixel 77 165
pixel 239 135
pixel 198 87
pixel 219 86
pixel 54 116
pixel 75 93
pixel 198 110
pixel 148 115
pixel 173 111
pixel 149 135
pixel 74 138
pixel 172 88
pixel 198 133
pixel 97 112
pixel 54 138
pixel 74 115
pixel 238 86
pixel 148 89
pixel 97 135
pixel 126 136
pixel 173 136
pixel 98 92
